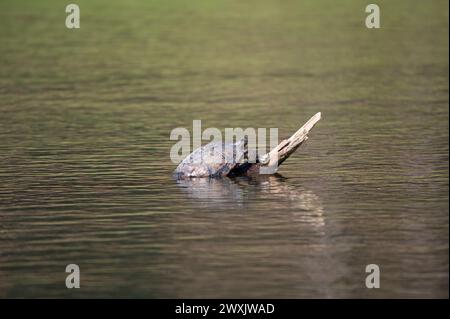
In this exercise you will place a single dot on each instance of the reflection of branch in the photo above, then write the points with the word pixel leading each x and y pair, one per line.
pixel 273 189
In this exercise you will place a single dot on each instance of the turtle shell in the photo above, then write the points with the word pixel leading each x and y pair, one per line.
pixel 213 159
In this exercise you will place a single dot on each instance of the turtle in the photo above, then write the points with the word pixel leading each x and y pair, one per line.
pixel 218 159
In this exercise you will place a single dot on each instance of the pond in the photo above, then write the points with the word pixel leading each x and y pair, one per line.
pixel 86 176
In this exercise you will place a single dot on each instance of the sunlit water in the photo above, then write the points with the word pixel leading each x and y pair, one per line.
pixel 85 173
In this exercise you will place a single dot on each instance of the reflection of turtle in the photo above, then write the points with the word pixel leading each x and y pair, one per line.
pixel 230 159
pixel 248 191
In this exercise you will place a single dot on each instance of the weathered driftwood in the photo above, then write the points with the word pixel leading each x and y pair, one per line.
pixel 283 150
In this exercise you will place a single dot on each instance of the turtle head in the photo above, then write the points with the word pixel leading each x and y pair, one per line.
pixel 241 149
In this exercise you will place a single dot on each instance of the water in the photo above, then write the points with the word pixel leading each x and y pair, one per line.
pixel 86 177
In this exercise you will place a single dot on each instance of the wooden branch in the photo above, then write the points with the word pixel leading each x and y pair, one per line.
pixel 280 153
